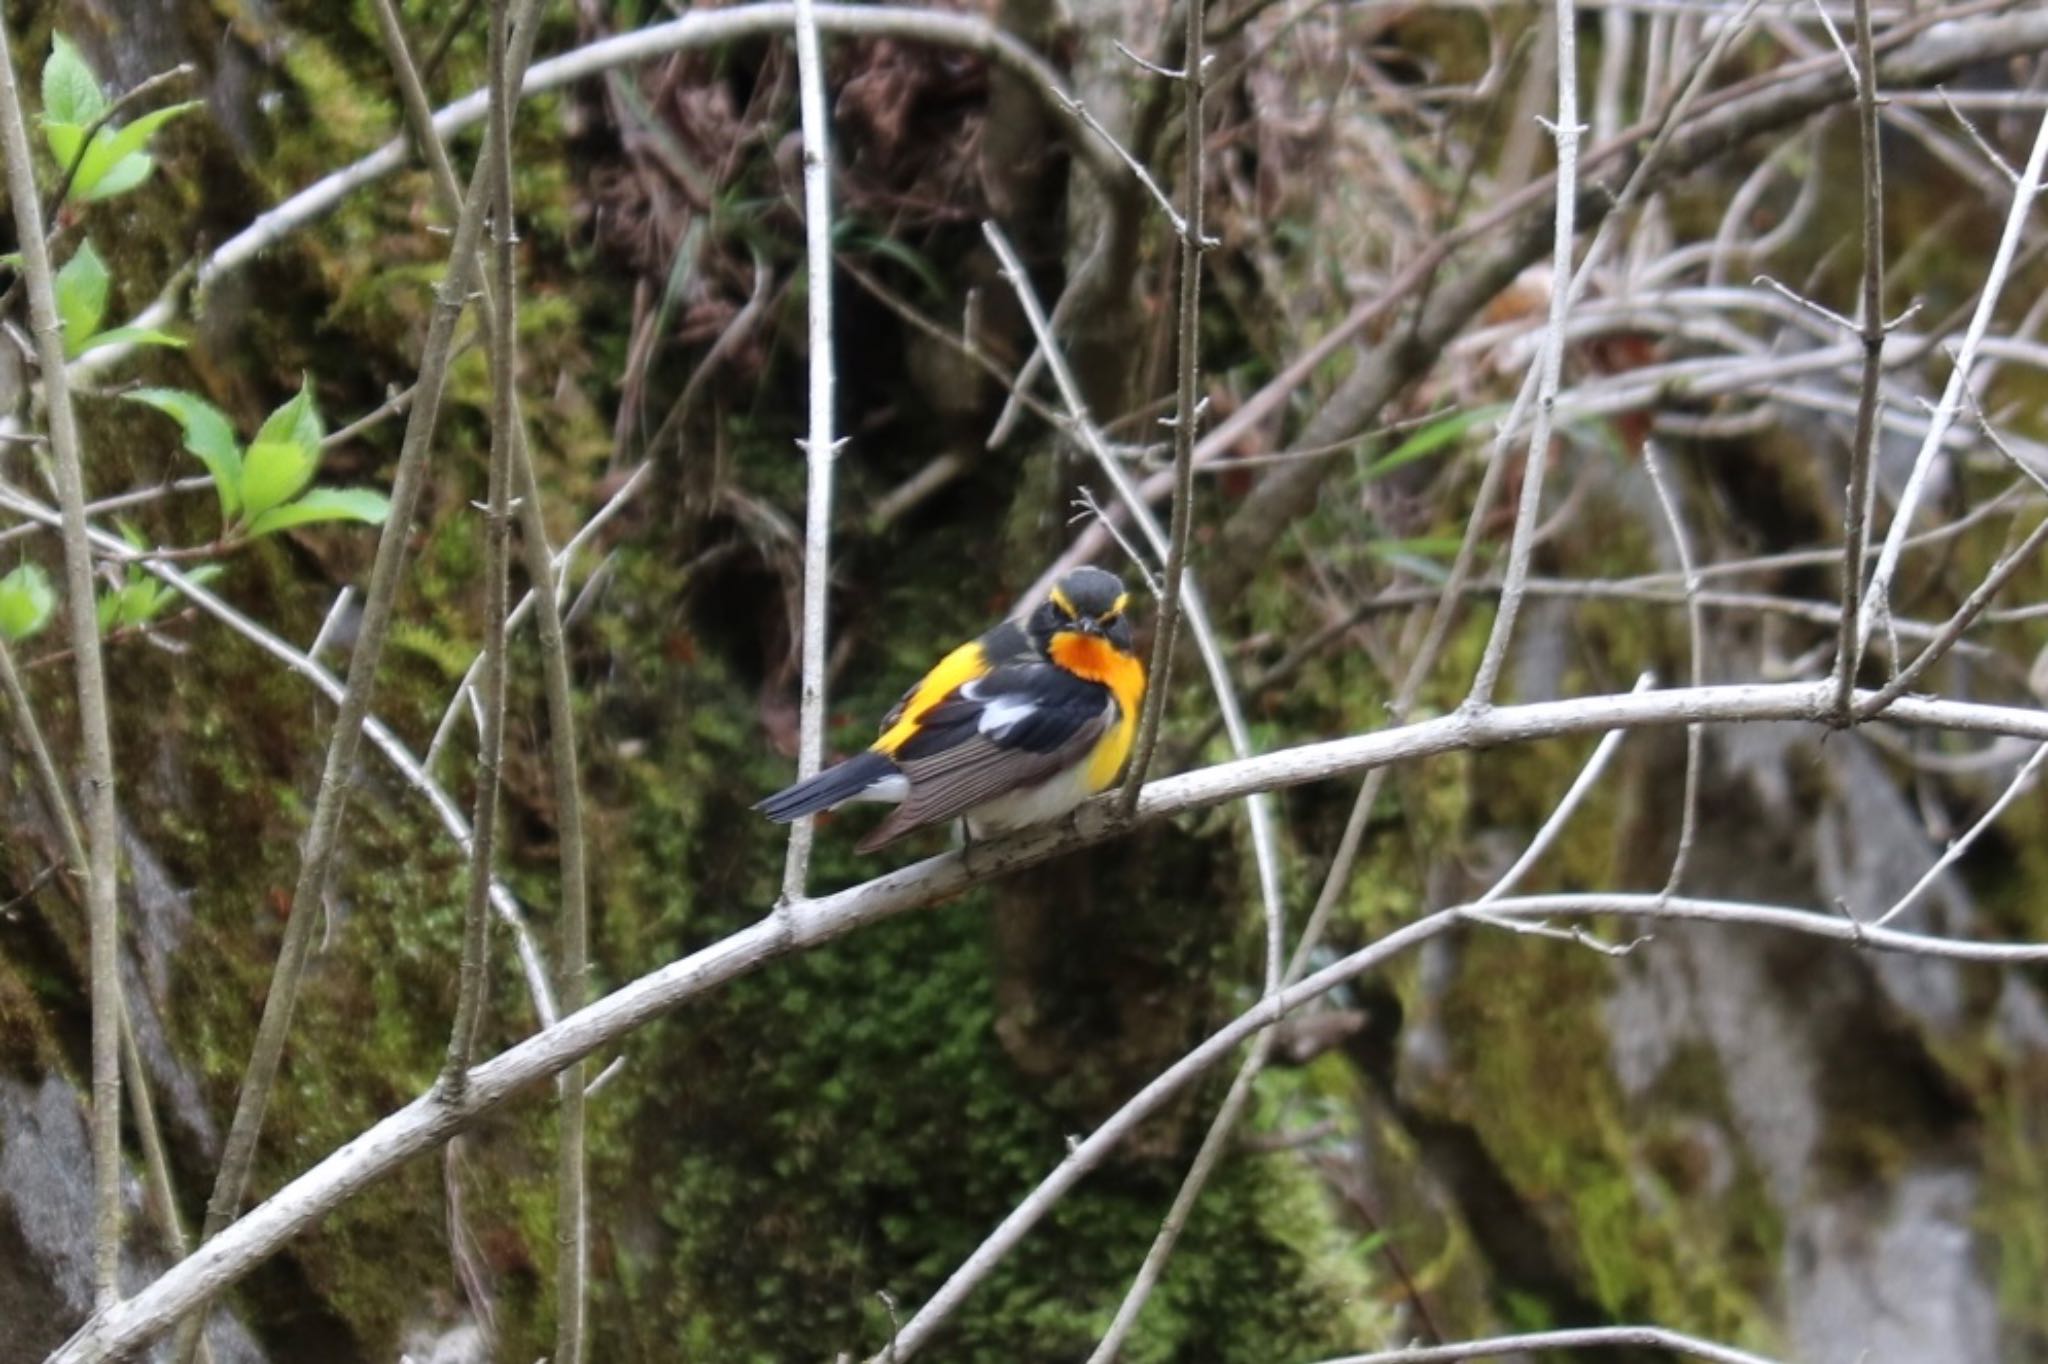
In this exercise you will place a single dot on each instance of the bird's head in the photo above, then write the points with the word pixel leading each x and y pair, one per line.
pixel 1087 602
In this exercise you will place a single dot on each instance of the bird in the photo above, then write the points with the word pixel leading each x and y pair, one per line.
pixel 1011 729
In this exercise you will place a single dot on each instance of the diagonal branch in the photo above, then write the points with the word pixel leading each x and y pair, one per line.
pixel 427 1122
pixel 1876 601
pixel 322 835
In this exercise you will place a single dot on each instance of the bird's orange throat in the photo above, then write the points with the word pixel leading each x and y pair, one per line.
pixel 1096 659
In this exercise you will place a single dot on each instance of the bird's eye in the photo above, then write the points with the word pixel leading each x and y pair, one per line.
pixel 1108 618
pixel 1060 604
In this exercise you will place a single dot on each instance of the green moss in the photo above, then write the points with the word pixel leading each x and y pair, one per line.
pixel 1618 1185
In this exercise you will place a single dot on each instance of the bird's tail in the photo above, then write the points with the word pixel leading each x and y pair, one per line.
pixel 833 786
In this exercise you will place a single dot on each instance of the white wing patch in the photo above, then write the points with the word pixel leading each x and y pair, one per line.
pixel 1004 714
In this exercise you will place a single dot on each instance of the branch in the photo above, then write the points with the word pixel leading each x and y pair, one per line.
pixel 1876 599
pixel 409 768
pixel 322 835
pixel 1696 651
pixel 1549 363
pixel 426 1122
pixel 1586 1338
pixel 1856 508
pixel 703 28
pixel 1718 121
pixel 496 165
pixel 50 785
pixel 819 450
pixel 1085 1155
pixel 2022 782
pixel 547 573
pixel 101 832
pixel 1186 415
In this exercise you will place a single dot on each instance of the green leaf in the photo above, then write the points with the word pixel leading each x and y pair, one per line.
pixel 65 140
pixel 284 456
pixel 102 177
pixel 1432 438
pixel 325 504
pixel 81 296
pixel 207 435
pixel 71 92
pixel 133 336
pixel 132 604
pixel 116 162
pixel 26 602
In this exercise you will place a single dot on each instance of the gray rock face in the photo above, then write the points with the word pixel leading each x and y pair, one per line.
pixel 46 1227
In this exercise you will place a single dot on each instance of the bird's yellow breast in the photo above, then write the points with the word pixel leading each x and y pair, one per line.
pixel 1098 660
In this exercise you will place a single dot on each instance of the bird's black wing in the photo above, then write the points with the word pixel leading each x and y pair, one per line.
pixel 1011 729
pixel 1004 644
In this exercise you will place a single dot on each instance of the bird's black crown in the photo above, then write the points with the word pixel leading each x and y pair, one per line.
pixel 1090 591
pixel 1086 601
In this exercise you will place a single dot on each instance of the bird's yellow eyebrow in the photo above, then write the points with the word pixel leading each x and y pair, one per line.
pixel 1059 599
pixel 1116 608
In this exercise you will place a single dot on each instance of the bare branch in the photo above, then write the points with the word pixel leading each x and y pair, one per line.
pixel 1584 1338
pixel 1696 633
pixel 1186 415
pixel 1550 360
pixel 322 834
pixel 1856 502
pixel 101 831
pixel 1574 796
pixel 501 327
pixel 819 450
pixel 702 28
pixel 1876 600
pixel 426 1122
pixel 2022 782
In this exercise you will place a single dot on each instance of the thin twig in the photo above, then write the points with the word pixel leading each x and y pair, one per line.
pixel 380 735
pixel 101 827
pixel 1560 815
pixel 2022 782
pixel 163 1195
pixel 1186 414
pixel 1696 637
pixel 1953 629
pixel 819 449
pixel 476 919
pixel 1581 1338
pixel 1257 809
pixel 426 1123
pixel 1550 362
pixel 548 573
pixel 1856 503
pixel 1877 598
pixel 557 573
pixel 322 835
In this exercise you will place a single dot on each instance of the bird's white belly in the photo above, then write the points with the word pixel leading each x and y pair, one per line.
pixel 1033 805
